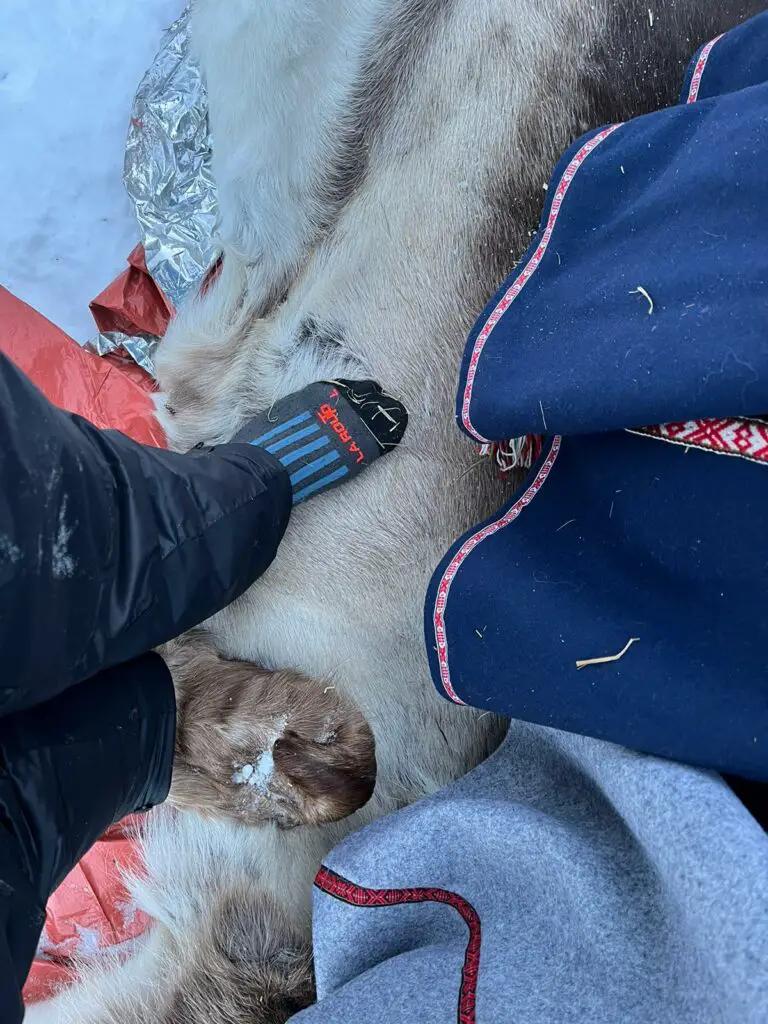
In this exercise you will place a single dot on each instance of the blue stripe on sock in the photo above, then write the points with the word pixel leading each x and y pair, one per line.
pixel 287 460
pixel 318 485
pixel 301 418
pixel 293 438
pixel 313 467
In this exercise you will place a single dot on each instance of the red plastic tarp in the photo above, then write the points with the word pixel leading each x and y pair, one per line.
pixel 108 392
pixel 133 303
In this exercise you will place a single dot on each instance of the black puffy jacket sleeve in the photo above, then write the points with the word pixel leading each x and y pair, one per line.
pixel 108 547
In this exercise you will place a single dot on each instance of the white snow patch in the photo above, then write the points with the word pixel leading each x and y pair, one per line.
pixel 9 552
pixel 279 729
pixel 63 564
pixel 327 733
pixel 68 73
pixel 128 911
pixel 89 945
pixel 265 769
pixel 242 775
pixel 52 480
pixel 258 775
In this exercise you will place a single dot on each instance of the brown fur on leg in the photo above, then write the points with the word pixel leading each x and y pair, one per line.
pixel 256 746
pixel 249 967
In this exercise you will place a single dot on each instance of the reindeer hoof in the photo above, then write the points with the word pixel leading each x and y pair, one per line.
pixel 256 746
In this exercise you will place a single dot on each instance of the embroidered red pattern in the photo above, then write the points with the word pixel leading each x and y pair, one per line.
pixel 524 277
pixel 443 589
pixel 339 888
pixel 747 439
pixel 698 71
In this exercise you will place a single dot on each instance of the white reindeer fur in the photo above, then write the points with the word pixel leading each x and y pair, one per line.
pixel 454 163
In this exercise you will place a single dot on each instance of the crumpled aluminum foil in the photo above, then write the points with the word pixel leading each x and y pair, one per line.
pixel 167 170
pixel 140 347
pixel 167 174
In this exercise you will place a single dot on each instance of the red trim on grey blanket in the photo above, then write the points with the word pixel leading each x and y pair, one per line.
pixel 339 888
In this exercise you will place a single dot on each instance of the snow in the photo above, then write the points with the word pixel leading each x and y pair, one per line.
pixel 68 73
pixel 258 775
pixel 243 775
pixel 261 772
pixel 265 769
pixel 9 552
pixel 89 945
pixel 63 564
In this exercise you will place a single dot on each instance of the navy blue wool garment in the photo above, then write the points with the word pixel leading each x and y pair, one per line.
pixel 634 337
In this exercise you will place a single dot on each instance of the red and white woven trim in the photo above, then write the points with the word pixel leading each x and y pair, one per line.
pixel 698 71
pixel 438 615
pixel 744 438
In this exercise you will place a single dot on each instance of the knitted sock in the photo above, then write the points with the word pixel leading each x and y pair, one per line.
pixel 328 433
